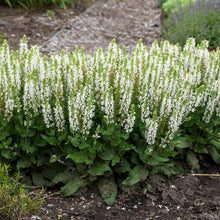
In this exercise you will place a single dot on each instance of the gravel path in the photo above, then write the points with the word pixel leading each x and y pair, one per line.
pixel 124 20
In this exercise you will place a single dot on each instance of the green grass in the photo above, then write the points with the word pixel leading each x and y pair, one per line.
pixel 39 4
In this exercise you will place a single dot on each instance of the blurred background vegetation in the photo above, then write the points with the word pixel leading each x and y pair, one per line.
pixel 40 4
pixel 199 19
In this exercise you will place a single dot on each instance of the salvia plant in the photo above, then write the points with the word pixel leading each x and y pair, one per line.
pixel 199 19
pixel 109 117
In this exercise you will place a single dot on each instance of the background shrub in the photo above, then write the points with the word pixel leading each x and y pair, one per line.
pixel 161 2
pixel 39 4
pixel 200 20
pixel 15 201
pixel 173 5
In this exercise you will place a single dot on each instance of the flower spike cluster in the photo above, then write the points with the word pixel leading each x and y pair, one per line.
pixel 158 88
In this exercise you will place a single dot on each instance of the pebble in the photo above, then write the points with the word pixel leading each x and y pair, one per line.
pixel 3 23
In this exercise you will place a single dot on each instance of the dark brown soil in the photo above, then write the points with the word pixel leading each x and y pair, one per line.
pixel 181 197
pixel 36 25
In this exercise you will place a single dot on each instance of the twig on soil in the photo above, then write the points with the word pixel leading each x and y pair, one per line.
pixel 205 174
pixel 30 187
pixel 54 194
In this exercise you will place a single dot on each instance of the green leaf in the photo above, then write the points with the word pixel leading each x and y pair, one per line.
pixel 39 127
pixel 109 154
pixel 25 145
pixel 216 144
pixel 127 147
pixel 6 143
pixel 215 155
pixel 108 189
pixel 33 159
pixel 83 146
pixel 42 159
pixel 64 177
pixel 124 135
pixel 20 130
pixel 50 140
pixel 54 158
pixel 39 180
pixel 99 169
pixel 156 160
pixel 51 172
pixel 166 170
pixel 192 160
pixel 109 131
pixel 4 133
pixel 50 132
pixel 202 140
pixel 30 132
pixel 140 150
pixel 39 142
pixel 23 163
pixel 216 121
pixel 8 154
pixel 116 141
pixel 62 135
pixel 182 142
pixel 74 141
pixel 115 160
pixel 138 174
pixel 71 187
pixel 123 166
pixel 79 157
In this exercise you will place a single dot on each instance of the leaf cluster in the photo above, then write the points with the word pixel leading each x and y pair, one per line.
pixel 170 5
pixel 196 138
pixel 199 20
pixel 15 201
pixel 39 4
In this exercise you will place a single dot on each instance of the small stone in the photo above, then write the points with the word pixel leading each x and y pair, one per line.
pixel 35 217
pixel 3 23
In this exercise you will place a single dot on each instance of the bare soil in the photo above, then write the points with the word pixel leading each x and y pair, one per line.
pixel 180 197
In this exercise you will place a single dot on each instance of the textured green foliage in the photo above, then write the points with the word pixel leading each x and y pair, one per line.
pixel 15 201
pixel 199 19
pixel 161 2
pixel 138 174
pixel 173 4
pixel 199 138
pixel 34 4
pixel 72 186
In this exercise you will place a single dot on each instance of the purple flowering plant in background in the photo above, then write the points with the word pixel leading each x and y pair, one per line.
pixel 200 19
